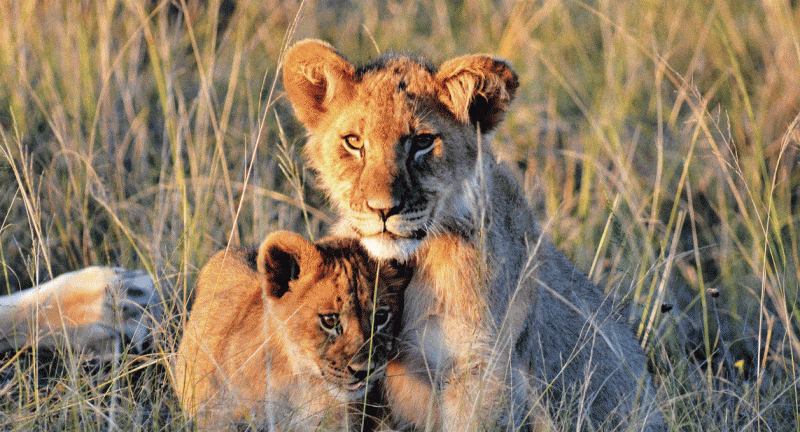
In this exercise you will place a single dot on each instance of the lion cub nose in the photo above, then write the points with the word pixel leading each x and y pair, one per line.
pixel 358 371
pixel 385 206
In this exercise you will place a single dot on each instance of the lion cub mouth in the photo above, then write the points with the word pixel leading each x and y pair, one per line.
pixel 400 225
pixel 357 386
pixel 396 237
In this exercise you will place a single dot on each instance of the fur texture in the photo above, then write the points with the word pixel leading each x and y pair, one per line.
pixel 289 337
pixel 89 310
pixel 494 313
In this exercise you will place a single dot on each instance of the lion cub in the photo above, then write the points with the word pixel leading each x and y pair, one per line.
pixel 495 314
pixel 289 336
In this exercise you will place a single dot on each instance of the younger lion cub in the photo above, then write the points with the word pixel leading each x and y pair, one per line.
pixel 288 336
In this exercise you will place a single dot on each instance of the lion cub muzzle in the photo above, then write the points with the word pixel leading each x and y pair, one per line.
pixel 383 197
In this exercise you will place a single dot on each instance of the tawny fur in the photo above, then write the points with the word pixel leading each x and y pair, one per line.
pixel 494 313
pixel 88 310
pixel 255 349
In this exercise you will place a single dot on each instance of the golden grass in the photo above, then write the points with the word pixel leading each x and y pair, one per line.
pixel 659 140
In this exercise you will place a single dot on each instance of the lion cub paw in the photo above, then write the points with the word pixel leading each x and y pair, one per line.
pixel 88 310
pixel 139 305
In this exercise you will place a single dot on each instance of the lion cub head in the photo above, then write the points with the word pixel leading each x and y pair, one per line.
pixel 293 329
pixel 340 309
pixel 396 141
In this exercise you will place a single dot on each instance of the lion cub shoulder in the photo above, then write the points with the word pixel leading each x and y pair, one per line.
pixel 288 335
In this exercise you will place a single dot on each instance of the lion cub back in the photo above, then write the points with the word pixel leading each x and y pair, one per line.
pixel 290 335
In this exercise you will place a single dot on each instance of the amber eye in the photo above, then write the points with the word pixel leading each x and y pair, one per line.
pixel 382 317
pixel 329 321
pixel 421 144
pixel 353 142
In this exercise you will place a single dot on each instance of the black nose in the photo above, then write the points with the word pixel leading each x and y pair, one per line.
pixel 360 373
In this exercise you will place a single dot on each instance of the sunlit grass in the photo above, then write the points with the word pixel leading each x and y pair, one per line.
pixel 658 141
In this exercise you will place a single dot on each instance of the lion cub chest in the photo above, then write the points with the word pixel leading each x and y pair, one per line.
pixel 292 335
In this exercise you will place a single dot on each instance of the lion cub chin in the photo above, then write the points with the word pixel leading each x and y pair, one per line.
pixel 292 335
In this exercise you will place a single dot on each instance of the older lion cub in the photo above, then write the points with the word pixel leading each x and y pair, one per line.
pixel 288 336
pixel 494 312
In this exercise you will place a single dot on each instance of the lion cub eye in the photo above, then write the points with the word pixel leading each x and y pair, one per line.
pixel 381 317
pixel 353 143
pixel 422 144
pixel 329 322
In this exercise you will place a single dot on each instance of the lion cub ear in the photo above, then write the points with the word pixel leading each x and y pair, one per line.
pixel 315 77
pixel 478 89
pixel 283 257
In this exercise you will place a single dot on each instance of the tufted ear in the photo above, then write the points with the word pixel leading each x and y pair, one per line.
pixel 478 89
pixel 315 77
pixel 283 257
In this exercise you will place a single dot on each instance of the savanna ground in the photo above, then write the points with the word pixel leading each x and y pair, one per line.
pixel 658 140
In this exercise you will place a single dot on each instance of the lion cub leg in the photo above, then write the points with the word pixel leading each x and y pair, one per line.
pixel 452 375
pixel 411 397
pixel 88 310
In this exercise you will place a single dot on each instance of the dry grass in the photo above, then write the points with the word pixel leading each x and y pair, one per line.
pixel 659 141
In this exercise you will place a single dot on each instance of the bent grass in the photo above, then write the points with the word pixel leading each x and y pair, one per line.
pixel 658 142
